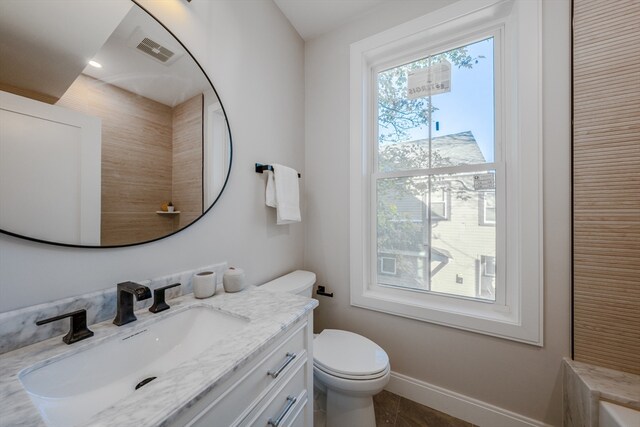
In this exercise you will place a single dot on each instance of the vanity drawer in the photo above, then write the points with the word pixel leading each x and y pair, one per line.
pixel 231 401
pixel 299 418
pixel 300 415
pixel 284 403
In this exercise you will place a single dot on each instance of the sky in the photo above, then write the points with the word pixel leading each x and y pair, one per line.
pixel 469 106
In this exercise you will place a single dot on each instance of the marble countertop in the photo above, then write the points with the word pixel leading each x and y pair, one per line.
pixel 615 386
pixel 270 315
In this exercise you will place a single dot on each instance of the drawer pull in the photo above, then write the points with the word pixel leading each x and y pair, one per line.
pixel 289 359
pixel 290 402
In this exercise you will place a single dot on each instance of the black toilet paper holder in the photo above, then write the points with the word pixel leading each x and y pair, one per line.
pixel 321 291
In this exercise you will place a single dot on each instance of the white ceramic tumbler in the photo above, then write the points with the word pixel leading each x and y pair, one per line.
pixel 233 280
pixel 204 284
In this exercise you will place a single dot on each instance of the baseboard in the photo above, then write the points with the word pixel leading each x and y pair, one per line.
pixel 460 406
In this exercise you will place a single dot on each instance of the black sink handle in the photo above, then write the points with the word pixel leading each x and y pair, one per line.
pixel 159 303
pixel 78 329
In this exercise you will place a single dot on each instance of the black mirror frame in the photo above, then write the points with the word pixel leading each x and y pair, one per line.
pixel 224 185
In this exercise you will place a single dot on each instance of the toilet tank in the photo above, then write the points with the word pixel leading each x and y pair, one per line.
pixel 298 282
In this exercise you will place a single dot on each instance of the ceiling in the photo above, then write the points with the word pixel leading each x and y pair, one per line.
pixel 45 45
pixel 170 83
pixel 312 18
pixel 39 35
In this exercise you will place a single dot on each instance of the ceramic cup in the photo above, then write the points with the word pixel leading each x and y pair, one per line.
pixel 233 280
pixel 204 284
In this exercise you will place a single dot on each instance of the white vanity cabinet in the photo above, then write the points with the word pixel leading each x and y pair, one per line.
pixel 274 389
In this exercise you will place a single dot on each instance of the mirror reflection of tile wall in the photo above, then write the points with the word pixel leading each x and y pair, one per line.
pixel 187 161
pixel 606 180
pixel 151 153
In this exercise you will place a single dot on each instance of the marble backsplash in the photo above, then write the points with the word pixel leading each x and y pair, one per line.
pixel 18 327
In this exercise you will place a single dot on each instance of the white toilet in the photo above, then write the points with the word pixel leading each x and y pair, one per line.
pixel 348 367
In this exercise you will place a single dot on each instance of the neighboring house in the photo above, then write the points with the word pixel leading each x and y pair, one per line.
pixel 459 246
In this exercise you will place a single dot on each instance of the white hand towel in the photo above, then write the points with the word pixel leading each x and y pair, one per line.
pixel 270 195
pixel 283 194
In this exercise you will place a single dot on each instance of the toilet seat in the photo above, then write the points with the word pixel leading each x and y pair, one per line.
pixel 349 356
pixel 353 377
pixel 361 388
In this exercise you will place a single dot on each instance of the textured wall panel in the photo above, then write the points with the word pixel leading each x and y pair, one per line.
pixel 136 159
pixel 187 160
pixel 606 179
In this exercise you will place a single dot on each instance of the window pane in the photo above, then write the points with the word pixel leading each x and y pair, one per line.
pixel 488 208
pixel 438 111
pixel 459 246
pixel 444 249
pixel 401 225
pixel 462 123
pixel 439 204
pixel 403 123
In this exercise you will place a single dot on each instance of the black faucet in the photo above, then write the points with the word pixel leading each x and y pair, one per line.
pixel 126 291
pixel 78 328
pixel 159 303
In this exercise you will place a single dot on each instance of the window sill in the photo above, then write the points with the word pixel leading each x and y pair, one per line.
pixel 487 318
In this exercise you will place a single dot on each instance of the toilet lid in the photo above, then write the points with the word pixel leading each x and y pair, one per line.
pixel 348 354
pixel 316 368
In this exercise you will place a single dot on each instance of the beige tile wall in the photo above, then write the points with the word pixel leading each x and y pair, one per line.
pixel 606 177
pixel 187 160
pixel 136 159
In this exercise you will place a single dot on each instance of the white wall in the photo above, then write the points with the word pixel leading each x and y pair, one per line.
pixel 54 154
pixel 517 377
pixel 256 60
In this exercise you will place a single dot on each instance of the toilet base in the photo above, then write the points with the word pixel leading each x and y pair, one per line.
pixel 350 402
pixel 348 410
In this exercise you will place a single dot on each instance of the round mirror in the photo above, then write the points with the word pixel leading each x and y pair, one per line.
pixel 111 134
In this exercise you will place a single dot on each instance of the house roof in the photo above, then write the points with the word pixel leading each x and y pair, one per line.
pixel 459 148
pixel 449 150
pixel 455 149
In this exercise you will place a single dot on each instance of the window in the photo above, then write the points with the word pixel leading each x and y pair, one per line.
pixel 487 208
pixel 443 110
pixel 388 265
pixel 417 164
pixel 485 282
pixel 438 202
pixel 488 264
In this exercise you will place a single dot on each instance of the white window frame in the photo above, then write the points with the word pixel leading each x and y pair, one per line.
pixel 517 312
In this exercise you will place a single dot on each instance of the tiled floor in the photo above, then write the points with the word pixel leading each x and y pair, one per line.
pixel 395 411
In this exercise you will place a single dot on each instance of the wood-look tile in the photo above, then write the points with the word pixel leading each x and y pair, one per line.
pixel 606 186
pixel 124 228
pixel 129 198
pixel 186 218
pixel 187 159
pixel 28 93
pixel 151 153
pixel 386 406
pixel 412 414
pixel 187 197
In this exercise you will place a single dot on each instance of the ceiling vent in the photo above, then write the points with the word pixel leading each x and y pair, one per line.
pixel 158 49
pixel 154 49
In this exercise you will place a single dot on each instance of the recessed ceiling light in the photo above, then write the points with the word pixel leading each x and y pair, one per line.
pixel 95 64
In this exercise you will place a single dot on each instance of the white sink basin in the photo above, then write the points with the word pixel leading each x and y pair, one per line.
pixel 71 390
